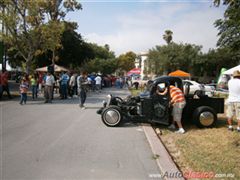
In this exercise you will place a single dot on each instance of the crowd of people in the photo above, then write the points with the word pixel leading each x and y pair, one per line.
pixel 68 85
pixel 65 84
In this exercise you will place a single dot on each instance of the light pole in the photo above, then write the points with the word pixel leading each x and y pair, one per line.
pixel 3 55
pixel 1 42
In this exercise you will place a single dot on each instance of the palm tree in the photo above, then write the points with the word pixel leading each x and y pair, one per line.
pixel 168 36
pixel 218 2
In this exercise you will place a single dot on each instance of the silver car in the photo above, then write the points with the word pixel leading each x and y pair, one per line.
pixel 195 86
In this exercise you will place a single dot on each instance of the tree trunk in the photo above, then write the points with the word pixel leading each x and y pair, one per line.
pixel 28 66
pixel 53 57
pixel 29 62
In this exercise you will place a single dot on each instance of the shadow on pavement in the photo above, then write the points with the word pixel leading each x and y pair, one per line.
pixel 94 100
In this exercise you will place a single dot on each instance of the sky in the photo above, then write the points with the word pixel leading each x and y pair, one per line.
pixel 139 25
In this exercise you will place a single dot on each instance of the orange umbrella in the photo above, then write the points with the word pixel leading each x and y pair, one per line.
pixel 179 73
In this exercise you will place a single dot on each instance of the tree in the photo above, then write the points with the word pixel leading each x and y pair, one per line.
pixel 75 51
pixel 229 26
pixel 100 59
pixel 168 36
pixel 104 66
pixel 167 58
pixel 218 2
pixel 22 31
pixel 107 47
pixel 56 11
pixel 127 61
pixel 101 52
pixel 30 33
pixel 214 60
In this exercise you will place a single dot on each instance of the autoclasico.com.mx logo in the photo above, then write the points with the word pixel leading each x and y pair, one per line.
pixel 192 174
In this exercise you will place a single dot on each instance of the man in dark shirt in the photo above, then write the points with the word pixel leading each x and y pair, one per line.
pixel 82 84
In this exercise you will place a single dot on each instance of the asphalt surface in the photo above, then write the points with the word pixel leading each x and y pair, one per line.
pixel 61 141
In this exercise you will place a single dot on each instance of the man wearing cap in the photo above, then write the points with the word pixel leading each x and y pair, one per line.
pixel 233 108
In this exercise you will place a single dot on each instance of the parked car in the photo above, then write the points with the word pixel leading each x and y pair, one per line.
pixel 201 111
pixel 194 87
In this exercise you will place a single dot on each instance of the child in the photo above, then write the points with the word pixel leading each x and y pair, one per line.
pixel 23 90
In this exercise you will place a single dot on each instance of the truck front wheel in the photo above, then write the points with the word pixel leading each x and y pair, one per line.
pixel 111 116
pixel 204 117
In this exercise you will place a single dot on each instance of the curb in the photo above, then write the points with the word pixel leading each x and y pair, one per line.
pixel 167 167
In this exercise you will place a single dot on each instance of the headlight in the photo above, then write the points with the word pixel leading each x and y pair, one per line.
pixel 107 103
pixel 104 103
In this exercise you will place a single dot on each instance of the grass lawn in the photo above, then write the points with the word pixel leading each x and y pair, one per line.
pixel 135 92
pixel 214 150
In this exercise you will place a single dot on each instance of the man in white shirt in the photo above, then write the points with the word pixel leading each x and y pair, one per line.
pixel 234 100
pixel 48 89
pixel 71 85
pixel 98 81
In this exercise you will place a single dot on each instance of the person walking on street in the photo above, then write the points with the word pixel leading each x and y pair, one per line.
pixel 233 102
pixel 48 88
pixel 4 83
pixel 34 86
pixel 71 85
pixel 82 83
pixel 64 84
pixel 39 82
pixel 98 81
pixel 23 90
pixel 178 103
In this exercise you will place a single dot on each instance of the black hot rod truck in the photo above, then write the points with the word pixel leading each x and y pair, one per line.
pixel 200 109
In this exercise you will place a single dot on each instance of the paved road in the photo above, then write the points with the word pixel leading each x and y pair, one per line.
pixel 61 141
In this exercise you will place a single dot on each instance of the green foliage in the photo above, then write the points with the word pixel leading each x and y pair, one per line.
pixel 168 36
pixel 229 26
pixel 225 2
pixel 127 61
pixel 214 60
pixel 101 52
pixel 99 59
pixel 104 66
pixel 30 31
pixel 189 58
pixel 167 58
pixel 75 51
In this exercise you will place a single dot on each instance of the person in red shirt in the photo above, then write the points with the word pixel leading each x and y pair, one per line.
pixel 4 83
pixel 178 103
pixel 0 87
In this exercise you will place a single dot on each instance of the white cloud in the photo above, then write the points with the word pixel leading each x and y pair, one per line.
pixel 140 31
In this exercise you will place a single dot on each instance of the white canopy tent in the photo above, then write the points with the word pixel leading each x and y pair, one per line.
pixel 8 67
pixel 230 71
pixel 57 68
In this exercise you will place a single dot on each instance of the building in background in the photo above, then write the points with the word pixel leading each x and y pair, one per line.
pixel 140 62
